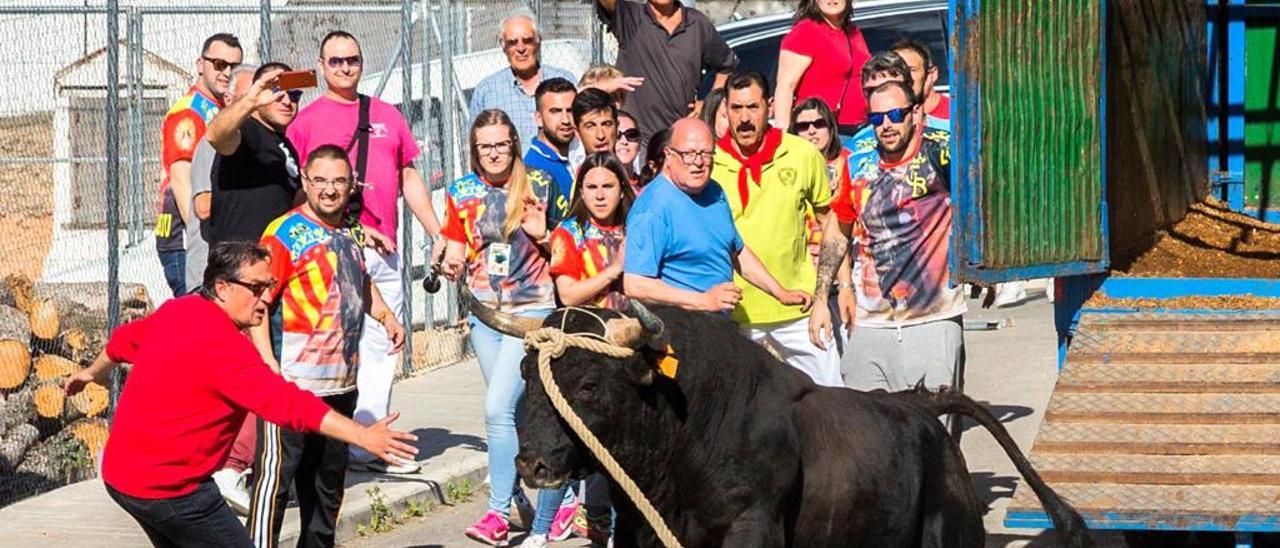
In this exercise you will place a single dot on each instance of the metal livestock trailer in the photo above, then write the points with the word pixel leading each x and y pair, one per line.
pixel 1083 130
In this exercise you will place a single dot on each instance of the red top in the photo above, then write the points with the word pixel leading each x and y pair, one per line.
pixel 837 57
pixel 943 110
pixel 186 397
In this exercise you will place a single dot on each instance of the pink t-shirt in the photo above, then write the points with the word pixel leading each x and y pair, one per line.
pixel 391 147
pixel 838 57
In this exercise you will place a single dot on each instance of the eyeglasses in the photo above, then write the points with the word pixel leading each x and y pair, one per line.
pixel 294 95
pixel 692 156
pixel 257 288
pixel 335 62
pixel 632 135
pixel 502 147
pixel 896 116
pixel 527 40
pixel 322 183
pixel 218 64
pixel 802 127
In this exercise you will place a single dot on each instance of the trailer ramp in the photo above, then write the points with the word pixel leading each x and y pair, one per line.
pixel 1164 420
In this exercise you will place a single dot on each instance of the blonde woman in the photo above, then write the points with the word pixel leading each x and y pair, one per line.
pixel 496 227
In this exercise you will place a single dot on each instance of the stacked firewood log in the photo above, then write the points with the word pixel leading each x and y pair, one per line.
pixel 47 332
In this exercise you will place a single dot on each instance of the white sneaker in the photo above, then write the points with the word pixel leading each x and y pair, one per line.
pixel 381 467
pixel 535 541
pixel 233 486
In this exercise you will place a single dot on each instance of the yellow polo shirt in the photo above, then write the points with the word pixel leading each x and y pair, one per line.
pixel 773 223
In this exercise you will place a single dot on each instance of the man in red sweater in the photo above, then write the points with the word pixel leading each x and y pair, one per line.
pixel 194 377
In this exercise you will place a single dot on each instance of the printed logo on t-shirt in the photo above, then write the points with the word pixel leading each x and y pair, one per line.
pixel 377 130
pixel 290 164
pixel 788 176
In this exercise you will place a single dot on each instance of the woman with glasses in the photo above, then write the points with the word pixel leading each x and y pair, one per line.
pixel 628 150
pixel 496 231
pixel 822 56
pixel 814 121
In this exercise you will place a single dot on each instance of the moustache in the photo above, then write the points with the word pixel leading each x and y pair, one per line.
pixel 746 126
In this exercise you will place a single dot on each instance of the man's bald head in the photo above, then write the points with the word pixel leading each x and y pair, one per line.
pixel 689 151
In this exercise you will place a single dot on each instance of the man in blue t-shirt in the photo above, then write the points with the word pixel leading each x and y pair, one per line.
pixel 682 246
pixel 547 159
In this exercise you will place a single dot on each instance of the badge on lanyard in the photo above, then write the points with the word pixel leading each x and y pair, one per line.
pixel 498 261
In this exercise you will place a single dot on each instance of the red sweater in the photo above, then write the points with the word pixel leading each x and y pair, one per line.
pixel 194 376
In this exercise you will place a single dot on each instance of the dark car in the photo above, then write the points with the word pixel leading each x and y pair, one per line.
pixel 757 40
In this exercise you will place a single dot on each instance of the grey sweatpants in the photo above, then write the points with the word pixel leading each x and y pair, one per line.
pixel 893 358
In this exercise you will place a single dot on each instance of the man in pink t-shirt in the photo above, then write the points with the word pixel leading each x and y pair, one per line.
pixel 332 120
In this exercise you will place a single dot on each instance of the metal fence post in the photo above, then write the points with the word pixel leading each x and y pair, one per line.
pixel 113 180
pixel 428 151
pixel 447 42
pixel 133 32
pixel 407 219
pixel 264 32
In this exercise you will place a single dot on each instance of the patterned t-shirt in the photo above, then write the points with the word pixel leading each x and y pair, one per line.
pixel 320 301
pixel 581 252
pixel 513 274
pixel 182 128
pixel 901 217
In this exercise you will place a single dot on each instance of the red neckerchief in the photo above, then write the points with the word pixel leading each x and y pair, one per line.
pixel 752 165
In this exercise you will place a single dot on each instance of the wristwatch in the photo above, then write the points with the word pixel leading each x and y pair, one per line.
pixel 844 285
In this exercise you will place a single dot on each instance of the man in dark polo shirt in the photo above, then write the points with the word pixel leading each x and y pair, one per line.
pixel 255 178
pixel 668 45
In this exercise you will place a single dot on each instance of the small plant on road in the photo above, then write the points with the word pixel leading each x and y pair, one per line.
pixel 457 491
pixel 415 509
pixel 381 520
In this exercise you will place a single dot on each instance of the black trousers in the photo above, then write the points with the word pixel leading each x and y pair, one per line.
pixel 314 464
pixel 201 518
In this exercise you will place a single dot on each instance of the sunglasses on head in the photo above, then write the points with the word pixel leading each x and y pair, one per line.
pixel 294 95
pixel 218 64
pixel 632 135
pixel 802 127
pixel 335 62
pixel 896 115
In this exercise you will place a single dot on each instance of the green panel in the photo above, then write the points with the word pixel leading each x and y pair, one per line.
pixel 1041 156
pixel 1262 113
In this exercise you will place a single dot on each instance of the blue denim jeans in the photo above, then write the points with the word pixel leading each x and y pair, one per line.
pixel 499 357
pixel 200 518
pixel 175 270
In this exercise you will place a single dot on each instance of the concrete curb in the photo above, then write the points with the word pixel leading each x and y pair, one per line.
pixel 397 491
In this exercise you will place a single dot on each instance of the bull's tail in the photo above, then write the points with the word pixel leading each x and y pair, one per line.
pixel 1067 522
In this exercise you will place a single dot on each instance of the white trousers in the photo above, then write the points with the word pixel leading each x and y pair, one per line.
pixel 377 367
pixel 789 341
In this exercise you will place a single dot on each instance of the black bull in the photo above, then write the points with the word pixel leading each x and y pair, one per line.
pixel 739 450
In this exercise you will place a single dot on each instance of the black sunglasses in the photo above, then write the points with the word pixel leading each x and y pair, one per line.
pixel 218 64
pixel 896 115
pixel 335 62
pixel 802 127
pixel 257 288
pixel 632 135
pixel 295 95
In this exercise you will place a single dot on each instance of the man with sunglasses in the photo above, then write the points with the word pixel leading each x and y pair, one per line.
pixel 682 246
pixel 512 88
pixel 313 339
pixel 255 176
pixel 390 151
pixel 909 316
pixel 772 179
pixel 183 127
pixel 194 377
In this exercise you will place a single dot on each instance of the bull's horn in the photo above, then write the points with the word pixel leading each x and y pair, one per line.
pixel 640 328
pixel 502 322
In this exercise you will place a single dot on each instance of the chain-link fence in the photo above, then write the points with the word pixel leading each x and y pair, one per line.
pixel 80 122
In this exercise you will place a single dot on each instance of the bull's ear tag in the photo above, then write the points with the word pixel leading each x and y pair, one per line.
pixel 668 365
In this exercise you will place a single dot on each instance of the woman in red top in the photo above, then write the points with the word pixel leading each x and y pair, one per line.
pixel 823 30
pixel 586 249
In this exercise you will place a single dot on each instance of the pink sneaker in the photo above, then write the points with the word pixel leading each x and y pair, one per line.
pixel 491 529
pixel 562 524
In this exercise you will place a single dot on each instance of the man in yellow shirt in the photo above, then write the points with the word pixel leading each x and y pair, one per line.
pixel 771 179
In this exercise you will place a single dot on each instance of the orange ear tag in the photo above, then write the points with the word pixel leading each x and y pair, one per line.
pixel 668 365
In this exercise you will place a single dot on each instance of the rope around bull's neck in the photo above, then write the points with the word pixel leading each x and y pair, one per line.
pixel 550 344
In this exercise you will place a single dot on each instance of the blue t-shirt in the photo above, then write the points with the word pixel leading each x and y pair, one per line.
pixel 544 161
pixel 686 241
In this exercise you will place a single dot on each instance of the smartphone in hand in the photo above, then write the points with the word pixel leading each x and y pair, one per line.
pixel 297 79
